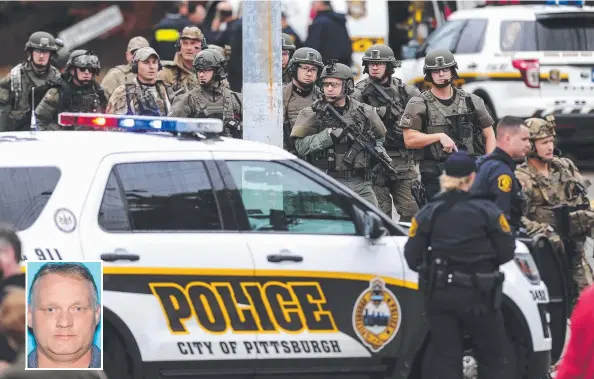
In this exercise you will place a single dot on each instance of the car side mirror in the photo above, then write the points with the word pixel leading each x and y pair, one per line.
pixel 373 226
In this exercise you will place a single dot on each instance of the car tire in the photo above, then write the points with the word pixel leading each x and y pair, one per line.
pixel 517 353
pixel 117 362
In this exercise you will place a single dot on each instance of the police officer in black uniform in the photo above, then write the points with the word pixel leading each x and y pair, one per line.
pixel 457 242
pixel 496 171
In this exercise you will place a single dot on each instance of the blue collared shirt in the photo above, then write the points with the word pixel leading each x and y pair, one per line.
pixel 95 358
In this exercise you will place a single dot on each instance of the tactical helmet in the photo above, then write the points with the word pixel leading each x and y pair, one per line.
pixel 438 59
pixel 381 54
pixel 41 41
pixel 211 59
pixel 84 59
pixel 339 71
pixel 218 49
pixel 540 128
pixel 305 55
pixel 60 59
pixel 288 43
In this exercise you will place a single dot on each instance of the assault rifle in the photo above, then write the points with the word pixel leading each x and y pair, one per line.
pixel 395 108
pixel 362 140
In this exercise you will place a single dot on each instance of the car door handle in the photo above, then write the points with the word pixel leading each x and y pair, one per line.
pixel 472 66
pixel 112 257
pixel 275 258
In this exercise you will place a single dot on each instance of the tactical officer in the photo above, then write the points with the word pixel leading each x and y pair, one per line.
pixel 389 96
pixel 178 73
pixel 496 171
pixel 304 67
pixel 288 50
pixel 224 53
pixel 76 91
pixel 548 181
pixel 456 243
pixel 17 87
pixel 210 98
pixel 445 119
pixel 145 95
pixel 321 134
pixel 123 74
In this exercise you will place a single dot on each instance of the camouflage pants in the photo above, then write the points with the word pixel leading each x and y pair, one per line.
pixel 362 187
pixel 400 192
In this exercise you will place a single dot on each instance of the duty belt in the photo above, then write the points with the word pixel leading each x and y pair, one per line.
pixel 358 173
pixel 484 281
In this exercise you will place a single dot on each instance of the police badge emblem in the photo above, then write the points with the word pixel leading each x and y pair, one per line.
pixel 555 76
pixel 376 316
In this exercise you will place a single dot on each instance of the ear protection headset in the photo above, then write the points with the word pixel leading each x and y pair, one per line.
pixel 134 66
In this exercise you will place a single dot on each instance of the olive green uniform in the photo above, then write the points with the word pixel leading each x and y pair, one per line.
pixel 403 159
pixel 462 118
pixel 294 100
pixel 15 94
pixel 68 97
pixel 212 102
pixel 313 140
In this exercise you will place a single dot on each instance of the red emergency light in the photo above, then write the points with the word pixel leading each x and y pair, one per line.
pixel 99 122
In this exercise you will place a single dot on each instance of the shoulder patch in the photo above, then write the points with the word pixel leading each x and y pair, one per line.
pixel 504 224
pixel 414 225
pixel 504 183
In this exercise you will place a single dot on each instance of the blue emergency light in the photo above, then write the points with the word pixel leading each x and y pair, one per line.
pixel 566 2
pixel 142 123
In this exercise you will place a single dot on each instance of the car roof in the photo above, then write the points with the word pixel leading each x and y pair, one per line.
pixel 515 12
pixel 97 144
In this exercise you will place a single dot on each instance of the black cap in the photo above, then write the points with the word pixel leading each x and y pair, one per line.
pixel 459 164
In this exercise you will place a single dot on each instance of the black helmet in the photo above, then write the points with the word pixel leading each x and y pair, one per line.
pixel 339 71
pixel 41 41
pixel 438 59
pixel 211 59
pixel 305 55
pixel 288 43
pixel 84 59
pixel 381 54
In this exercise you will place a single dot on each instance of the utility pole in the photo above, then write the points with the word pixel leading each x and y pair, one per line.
pixel 262 72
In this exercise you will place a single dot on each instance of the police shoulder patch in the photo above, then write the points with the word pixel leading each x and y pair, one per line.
pixel 504 183
pixel 504 224
pixel 414 225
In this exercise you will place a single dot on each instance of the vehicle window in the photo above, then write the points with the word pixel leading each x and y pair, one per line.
pixel 547 35
pixel 24 192
pixel 445 37
pixel 159 196
pixel 565 35
pixel 472 37
pixel 278 198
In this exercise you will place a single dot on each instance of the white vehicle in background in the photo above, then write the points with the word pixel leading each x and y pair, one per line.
pixel 524 61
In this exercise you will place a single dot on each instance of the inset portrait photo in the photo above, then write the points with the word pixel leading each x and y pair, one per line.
pixel 64 315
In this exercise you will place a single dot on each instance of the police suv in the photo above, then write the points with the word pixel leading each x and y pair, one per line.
pixel 524 61
pixel 231 258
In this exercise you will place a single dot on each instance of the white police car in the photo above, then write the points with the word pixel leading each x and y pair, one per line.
pixel 232 258
pixel 524 61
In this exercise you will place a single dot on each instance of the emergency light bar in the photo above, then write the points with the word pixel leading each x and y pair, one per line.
pixel 142 123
